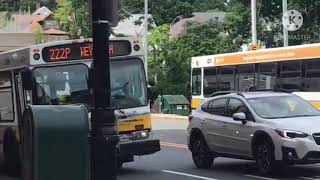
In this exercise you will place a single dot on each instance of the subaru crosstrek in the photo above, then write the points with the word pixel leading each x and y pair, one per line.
pixel 272 128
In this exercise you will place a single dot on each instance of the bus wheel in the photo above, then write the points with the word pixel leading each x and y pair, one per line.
pixel 11 153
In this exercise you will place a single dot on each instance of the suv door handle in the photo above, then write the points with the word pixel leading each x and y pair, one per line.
pixel 224 125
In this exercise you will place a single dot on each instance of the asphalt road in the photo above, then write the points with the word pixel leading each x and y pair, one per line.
pixel 174 162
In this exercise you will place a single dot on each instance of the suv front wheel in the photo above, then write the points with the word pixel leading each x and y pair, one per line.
pixel 265 159
pixel 201 155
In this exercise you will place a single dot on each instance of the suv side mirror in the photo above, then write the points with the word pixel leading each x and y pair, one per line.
pixel 240 117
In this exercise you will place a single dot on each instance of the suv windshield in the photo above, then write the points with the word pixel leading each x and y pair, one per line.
pixel 68 84
pixel 282 107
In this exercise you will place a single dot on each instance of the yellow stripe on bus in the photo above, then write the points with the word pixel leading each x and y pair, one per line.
pixel 196 103
pixel 135 124
pixel 315 104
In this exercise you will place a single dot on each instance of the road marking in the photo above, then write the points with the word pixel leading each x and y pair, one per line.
pixel 174 145
pixel 259 177
pixel 309 178
pixel 188 175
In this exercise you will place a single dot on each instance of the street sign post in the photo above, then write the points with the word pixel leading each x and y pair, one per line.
pixel 105 138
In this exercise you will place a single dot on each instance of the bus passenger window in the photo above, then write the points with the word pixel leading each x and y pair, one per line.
pixel 311 76
pixel 267 75
pixel 290 75
pixel 196 82
pixel 6 104
pixel 227 78
pixel 246 77
pixel 209 81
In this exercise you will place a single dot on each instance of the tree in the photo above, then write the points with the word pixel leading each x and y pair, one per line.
pixel 73 17
pixel 173 58
pixel 163 11
pixel 269 17
pixel 209 5
pixel 39 35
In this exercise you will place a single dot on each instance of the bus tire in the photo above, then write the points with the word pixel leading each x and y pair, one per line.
pixel 12 161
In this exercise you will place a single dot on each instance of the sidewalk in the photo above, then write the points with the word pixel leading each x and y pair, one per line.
pixel 169 122
pixel 169 117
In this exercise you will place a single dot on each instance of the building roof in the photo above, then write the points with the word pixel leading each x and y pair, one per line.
pixel 30 18
pixel 53 31
pixel 201 17
pixel 43 11
pixel 129 27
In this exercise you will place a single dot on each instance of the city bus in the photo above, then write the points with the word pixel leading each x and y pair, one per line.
pixel 57 73
pixel 295 69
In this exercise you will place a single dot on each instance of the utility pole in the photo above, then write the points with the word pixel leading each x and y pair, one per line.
pixel 254 21
pixel 285 31
pixel 104 142
pixel 146 13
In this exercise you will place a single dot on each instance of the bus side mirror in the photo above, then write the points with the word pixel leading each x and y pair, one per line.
pixel 152 93
pixel 27 80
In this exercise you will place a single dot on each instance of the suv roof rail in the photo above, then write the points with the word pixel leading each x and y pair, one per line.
pixel 274 90
pixel 220 93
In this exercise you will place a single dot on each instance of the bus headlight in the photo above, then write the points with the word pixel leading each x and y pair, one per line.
pixel 141 134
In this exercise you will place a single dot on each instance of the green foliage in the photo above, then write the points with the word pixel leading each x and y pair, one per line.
pixel 210 5
pixel 163 11
pixel 26 5
pixel 171 65
pixel 269 24
pixel 39 35
pixel 73 18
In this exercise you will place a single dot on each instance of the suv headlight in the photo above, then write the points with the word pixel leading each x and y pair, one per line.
pixel 291 134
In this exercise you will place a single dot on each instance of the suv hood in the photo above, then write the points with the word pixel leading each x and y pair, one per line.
pixel 309 125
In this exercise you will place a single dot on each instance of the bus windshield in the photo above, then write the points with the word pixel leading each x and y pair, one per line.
pixel 68 84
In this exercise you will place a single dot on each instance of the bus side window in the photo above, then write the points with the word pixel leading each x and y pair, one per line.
pixel 290 75
pixel 227 78
pixel 210 81
pixel 267 75
pixel 311 75
pixel 6 96
pixel 246 77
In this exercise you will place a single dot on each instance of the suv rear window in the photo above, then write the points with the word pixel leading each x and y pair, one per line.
pixel 217 107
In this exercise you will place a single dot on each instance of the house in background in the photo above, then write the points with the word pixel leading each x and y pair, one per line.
pixel 42 19
pixel 22 30
pixel 178 25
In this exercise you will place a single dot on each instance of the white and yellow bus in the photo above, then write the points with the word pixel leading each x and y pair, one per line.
pixel 57 73
pixel 295 68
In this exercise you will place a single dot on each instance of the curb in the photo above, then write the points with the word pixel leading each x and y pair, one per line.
pixel 168 117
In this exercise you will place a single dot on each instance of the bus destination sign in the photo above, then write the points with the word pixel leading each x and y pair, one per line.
pixel 79 51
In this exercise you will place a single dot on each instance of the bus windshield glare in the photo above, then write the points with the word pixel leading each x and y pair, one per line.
pixel 68 84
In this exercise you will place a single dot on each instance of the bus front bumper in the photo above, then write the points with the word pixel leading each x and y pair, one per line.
pixel 139 147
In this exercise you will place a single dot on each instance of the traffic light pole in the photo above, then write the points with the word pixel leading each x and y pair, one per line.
pixel 104 134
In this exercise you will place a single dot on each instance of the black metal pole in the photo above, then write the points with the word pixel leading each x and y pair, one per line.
pixel 104 134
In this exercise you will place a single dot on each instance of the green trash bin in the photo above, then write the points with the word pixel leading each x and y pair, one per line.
pixel 55 143
pixel 175 104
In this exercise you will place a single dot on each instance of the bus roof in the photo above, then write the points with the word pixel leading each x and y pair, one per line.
pixel 19 58
pixel 309 51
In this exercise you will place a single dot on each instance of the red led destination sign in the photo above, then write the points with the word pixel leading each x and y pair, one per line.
pixel 78 51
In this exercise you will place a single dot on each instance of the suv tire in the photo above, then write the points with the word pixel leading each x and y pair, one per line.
pixel 265 159
pixel 201 155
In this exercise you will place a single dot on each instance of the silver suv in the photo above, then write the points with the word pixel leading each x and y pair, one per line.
pixel 272 128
